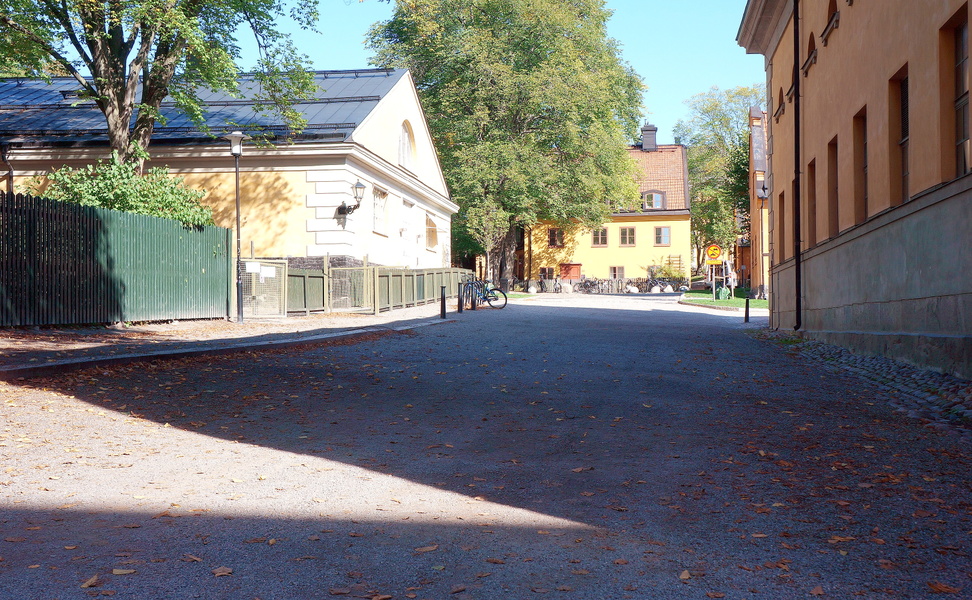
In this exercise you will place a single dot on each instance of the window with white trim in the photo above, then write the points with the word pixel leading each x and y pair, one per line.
pixel 380 205
pixel 406 146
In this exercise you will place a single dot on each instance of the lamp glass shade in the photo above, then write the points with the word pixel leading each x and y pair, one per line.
pixel 236 142
pixel 359 190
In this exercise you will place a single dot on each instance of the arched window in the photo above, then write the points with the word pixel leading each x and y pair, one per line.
pixel 406 146
pixel 833 21
pixel 811 55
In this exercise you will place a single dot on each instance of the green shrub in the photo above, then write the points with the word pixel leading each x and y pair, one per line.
pixel 119 186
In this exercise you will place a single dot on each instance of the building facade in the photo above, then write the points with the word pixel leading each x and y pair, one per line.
pixel 297 191
pixel 654 234
pixel 759 255
pixel 868 179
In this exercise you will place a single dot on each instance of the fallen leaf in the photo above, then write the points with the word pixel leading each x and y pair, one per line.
pixel 620 561
pixel 565 588
pixel 423 549
pixel 582 469
pixel 340 591
pixel 684 575
pixel 222 571
pixel 458 588
pixel 122 571
pixel 817 591
pixel 714 595
pixel 496 561
pixel 93 581
pixel 190 558
pixel 922 513
pixel 941 588
pixel 581 572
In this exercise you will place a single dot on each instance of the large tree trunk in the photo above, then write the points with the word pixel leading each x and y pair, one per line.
pixel 507 250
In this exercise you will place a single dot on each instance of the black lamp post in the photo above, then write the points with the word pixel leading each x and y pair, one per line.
pixel 358 189
pixel 236 148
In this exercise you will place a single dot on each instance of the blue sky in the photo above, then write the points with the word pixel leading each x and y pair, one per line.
pixel 679 47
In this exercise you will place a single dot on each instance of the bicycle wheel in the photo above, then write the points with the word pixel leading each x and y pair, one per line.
pixel 496 298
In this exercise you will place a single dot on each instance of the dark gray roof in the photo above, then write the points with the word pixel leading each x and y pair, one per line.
pixel 35 112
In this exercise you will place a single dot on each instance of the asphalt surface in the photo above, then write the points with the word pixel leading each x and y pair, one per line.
pixel 567 447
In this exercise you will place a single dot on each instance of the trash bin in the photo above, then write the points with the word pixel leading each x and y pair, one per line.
pixel 504 284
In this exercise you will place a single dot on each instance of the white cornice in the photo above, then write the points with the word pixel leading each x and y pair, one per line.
pixel 215 158
pixel 761 20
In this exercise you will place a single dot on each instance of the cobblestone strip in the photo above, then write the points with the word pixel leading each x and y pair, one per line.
pixel 941 401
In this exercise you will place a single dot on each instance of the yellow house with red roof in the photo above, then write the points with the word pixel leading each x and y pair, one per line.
pixel 652 235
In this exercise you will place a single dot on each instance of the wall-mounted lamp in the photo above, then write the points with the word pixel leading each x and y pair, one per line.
pixel 358 189
pixel 763 192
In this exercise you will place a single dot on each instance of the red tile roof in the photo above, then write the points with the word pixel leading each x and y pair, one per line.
pixel 664 170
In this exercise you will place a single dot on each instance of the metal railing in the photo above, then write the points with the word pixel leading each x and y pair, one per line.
pixel 368 289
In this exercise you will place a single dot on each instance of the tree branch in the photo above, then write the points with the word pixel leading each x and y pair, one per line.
pixel 51 50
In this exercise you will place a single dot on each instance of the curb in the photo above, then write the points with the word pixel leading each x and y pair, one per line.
pixel 12 374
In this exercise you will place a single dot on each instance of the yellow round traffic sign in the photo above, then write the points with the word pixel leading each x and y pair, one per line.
pixel 713 251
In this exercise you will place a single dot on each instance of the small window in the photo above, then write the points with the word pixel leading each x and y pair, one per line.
pixel 663 236
pixel 617 272
pixel 627 236
pixel 546 272
pixel 653 200
pixel 379 203
pixel 431 234
pixel 555 238
pixel 599 237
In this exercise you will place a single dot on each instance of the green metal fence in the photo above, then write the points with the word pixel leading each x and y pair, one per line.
pixel 63 264
pixel 353 289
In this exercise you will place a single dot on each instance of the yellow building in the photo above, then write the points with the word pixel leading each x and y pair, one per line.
pixel 868 180
pixel 758 265
pixel 656 233
pixel 365 129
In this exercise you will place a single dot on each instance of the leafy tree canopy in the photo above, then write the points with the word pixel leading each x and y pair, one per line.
pixel 119 186
pixel 529 103
pixel 717 139
pixel 129 55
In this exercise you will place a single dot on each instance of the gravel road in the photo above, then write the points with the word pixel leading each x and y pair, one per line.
pixel 584 447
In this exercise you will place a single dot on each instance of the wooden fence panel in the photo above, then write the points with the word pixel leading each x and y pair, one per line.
pixel 63 264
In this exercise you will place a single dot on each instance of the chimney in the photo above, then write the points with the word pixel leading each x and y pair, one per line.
pixel 648 138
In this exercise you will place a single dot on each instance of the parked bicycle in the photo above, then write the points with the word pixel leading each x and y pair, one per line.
pixel 588 286
pixel 481 291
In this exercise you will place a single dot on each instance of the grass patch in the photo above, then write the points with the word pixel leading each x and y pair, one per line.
pixel 704 298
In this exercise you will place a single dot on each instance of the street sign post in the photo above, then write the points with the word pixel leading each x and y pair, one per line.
pixel 713 257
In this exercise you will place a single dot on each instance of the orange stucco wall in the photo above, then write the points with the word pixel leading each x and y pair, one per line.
pixel 852 76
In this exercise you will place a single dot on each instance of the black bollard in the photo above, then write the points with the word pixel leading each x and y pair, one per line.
pixel 746 318
pixel 442 306
pixel 460 298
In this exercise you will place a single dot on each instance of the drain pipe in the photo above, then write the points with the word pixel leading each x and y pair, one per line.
pixel 4 154
pixel 797 274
